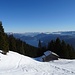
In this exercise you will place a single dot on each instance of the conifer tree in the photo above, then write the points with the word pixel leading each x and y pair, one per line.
pixel 3 40
pixel 63 49
pixel 12 43
pixel 1 27
pixel 51 46
pixel 57 46
pixel 39 44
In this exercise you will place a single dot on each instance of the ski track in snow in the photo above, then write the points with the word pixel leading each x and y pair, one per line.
pixel 17 64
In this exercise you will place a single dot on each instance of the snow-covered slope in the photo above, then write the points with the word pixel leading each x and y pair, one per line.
pixel 16 64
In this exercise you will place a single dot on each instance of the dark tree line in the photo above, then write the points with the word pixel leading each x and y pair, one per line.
pixel 10 43
pixel 62 49
pixel 21 47
pixel 41 48
pixel 3 40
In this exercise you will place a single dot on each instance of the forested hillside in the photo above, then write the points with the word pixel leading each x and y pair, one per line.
pixel 10 43
pixel 21 47
pixel 3 40
pixel 63 49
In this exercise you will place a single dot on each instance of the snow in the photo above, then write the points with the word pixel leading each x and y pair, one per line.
pixel 47 53
pixel 16 64
pixel 54 54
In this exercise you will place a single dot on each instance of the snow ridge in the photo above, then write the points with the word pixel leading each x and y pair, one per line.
pixel 16 64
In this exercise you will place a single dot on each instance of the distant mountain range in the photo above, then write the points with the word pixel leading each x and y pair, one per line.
pixel 32 38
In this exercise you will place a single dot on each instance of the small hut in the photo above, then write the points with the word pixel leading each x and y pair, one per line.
pixel 48 56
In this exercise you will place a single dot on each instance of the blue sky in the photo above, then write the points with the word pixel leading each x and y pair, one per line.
pixel 37 15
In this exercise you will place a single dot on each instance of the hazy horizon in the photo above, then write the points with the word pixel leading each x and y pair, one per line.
pixel 41 32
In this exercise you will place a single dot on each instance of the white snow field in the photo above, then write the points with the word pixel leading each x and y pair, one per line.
pixel 16 64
